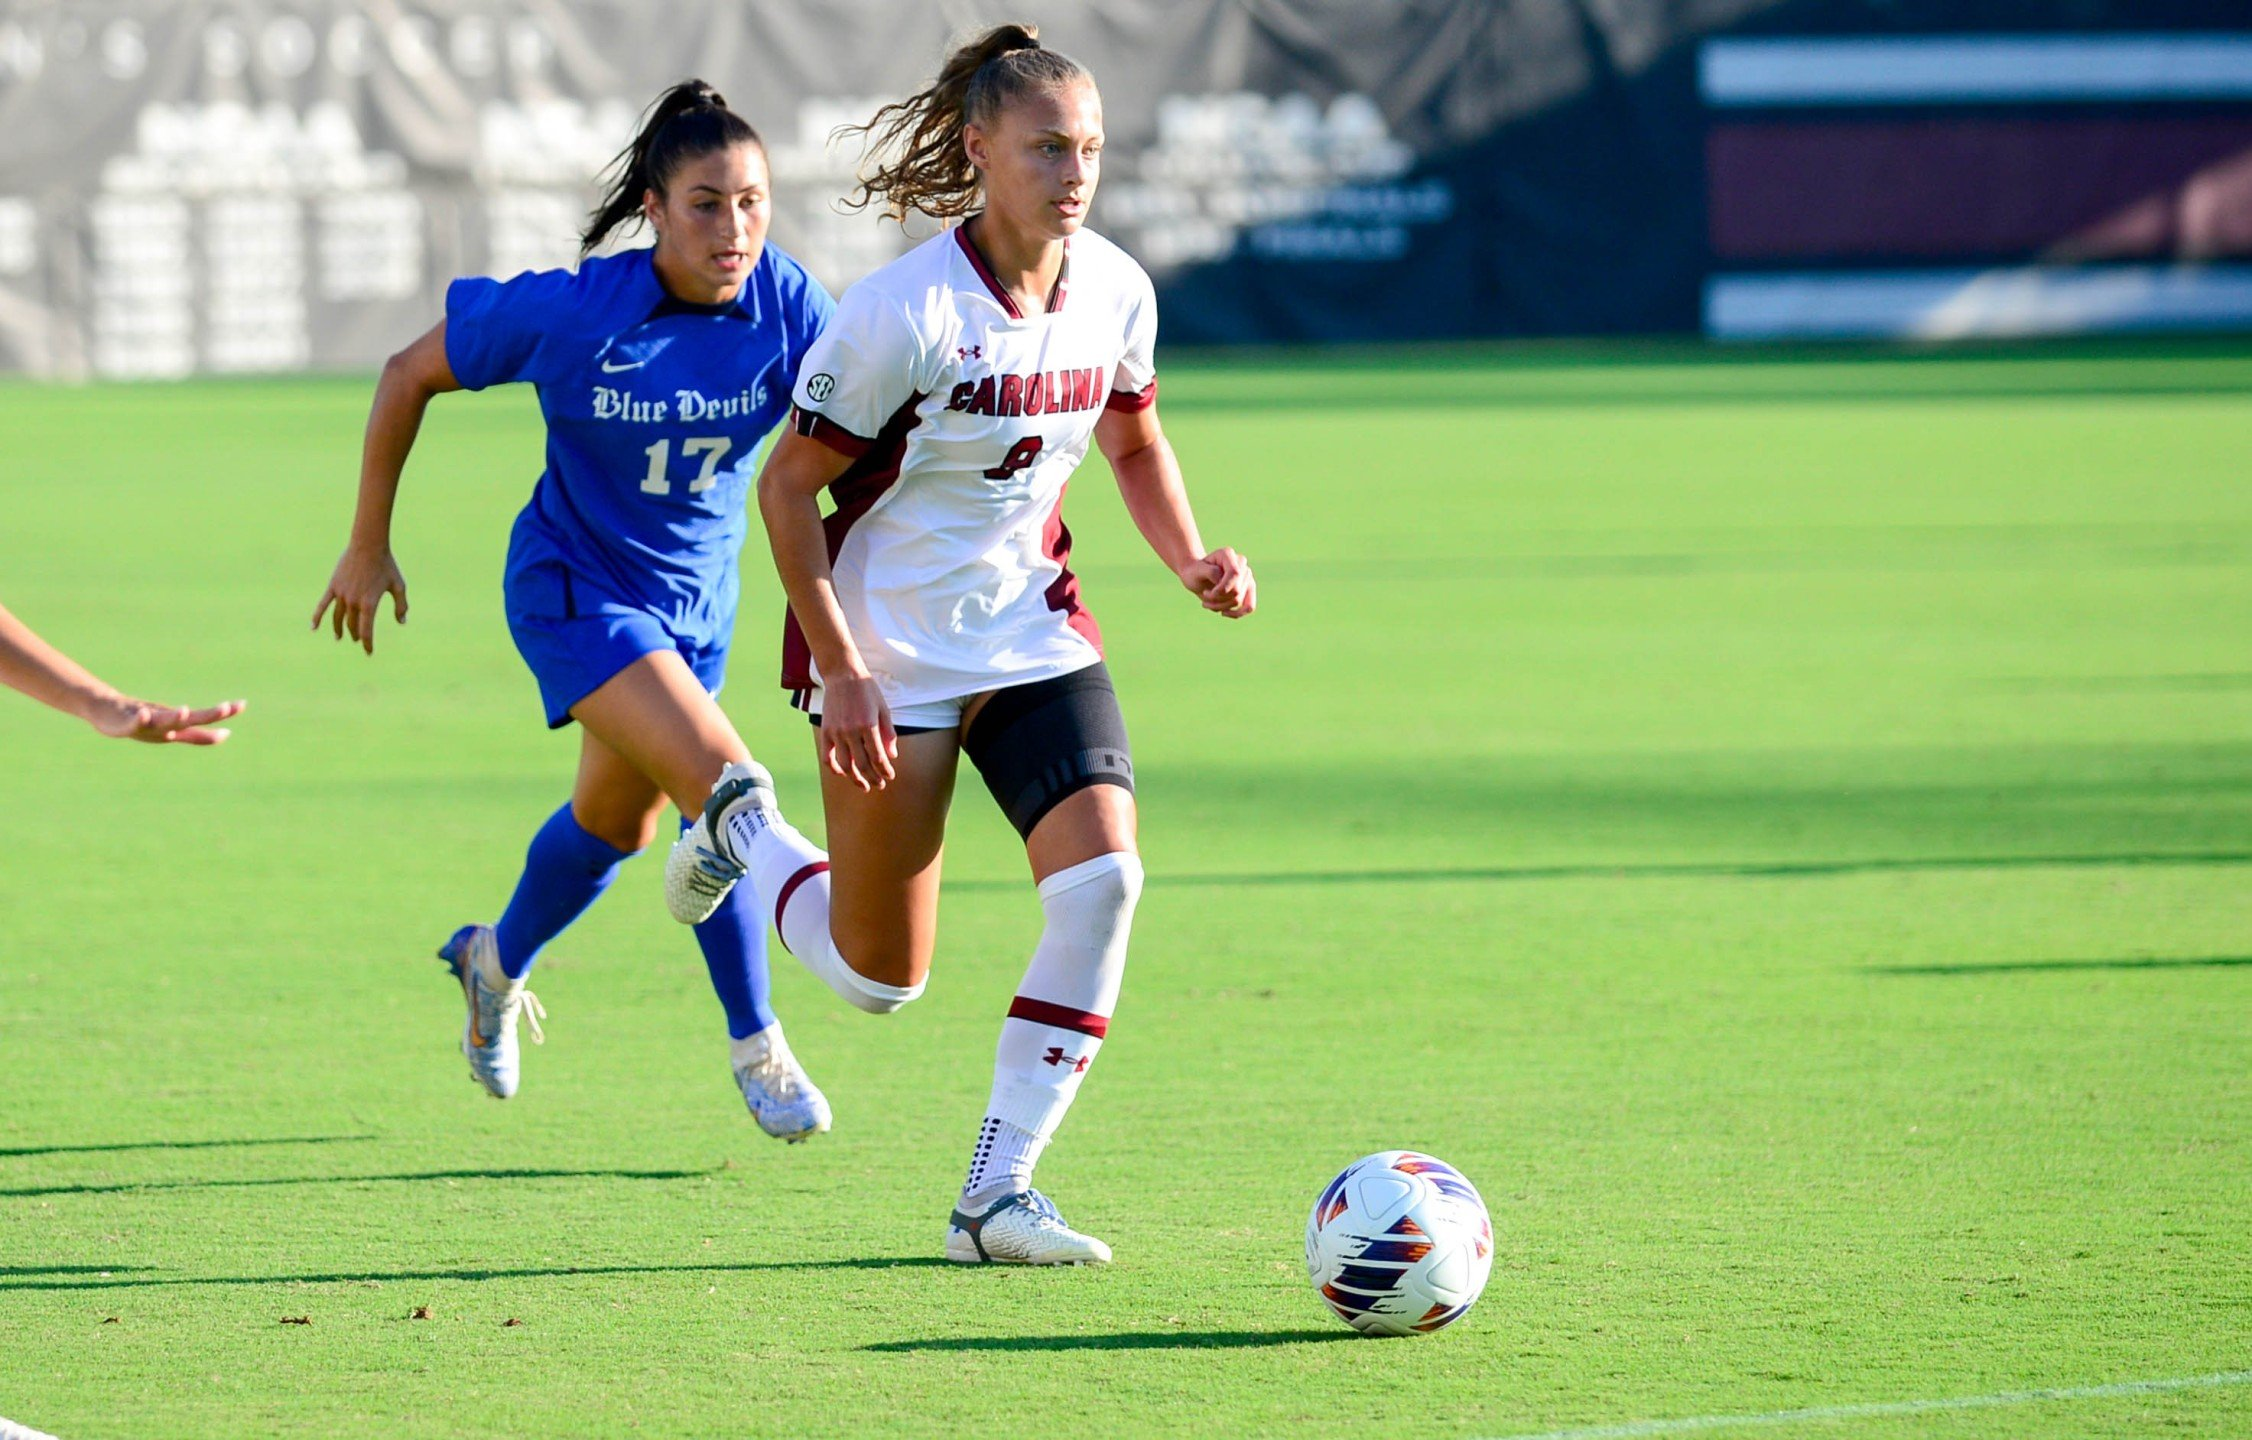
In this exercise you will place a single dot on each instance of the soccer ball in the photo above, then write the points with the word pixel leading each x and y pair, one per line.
pixel 1399 1244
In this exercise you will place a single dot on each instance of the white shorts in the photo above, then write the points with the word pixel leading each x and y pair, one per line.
pixel 906 719
pixel 945 713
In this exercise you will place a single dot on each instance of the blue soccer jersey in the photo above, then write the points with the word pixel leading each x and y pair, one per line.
pixel 655 409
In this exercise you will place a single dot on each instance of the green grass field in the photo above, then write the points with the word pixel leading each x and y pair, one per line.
pixel 1780 822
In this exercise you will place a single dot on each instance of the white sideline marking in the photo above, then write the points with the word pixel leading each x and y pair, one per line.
pixel 1973 69
pixel 1956 304
pixel 1894 1407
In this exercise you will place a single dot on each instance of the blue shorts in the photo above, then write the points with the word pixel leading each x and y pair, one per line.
pixel 576 633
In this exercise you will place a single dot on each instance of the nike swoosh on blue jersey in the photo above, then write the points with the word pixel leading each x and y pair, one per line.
pixel 641 352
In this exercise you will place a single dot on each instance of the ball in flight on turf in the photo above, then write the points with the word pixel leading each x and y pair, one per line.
pixel 1399 1244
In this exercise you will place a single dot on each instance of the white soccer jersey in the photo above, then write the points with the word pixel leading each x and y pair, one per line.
pixel 965 420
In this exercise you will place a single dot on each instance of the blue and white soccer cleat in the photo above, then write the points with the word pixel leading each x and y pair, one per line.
pixel 782 1098
pixel 1020 1229
pixel 703 866
pixel 488 1036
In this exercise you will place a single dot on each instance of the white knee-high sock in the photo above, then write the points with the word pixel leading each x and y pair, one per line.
pixel 790 875
pixel 1057 1022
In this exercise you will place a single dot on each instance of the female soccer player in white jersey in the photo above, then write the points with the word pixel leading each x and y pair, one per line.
pixel 659 371
pixel 934 612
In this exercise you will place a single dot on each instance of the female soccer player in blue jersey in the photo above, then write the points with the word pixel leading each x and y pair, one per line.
pixel 659 371
pixel 934 612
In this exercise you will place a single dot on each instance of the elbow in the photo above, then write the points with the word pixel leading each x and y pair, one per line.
pixel 781 491
pixel 403 375
pixel 770 496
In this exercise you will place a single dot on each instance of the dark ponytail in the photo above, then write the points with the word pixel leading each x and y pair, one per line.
pixel 688 121
pixel 922 134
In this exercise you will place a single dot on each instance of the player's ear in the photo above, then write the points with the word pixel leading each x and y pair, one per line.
pixel 652 206
pixel 975 147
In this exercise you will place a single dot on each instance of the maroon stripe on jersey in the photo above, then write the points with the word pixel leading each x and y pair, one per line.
pixel 1063 280
pixel 984 272
pixel 1063 1017
pixel 1056 295
pixel 816 426
pixel 861 486
pixel 789 888
pixel 1063 592
pixel 1133 401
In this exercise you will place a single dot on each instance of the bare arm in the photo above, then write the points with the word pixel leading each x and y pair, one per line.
pixel 38 669
pixel 1149 481
pixel 366 572
pixel 857 739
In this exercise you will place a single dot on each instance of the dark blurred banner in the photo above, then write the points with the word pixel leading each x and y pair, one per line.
pixel 278 184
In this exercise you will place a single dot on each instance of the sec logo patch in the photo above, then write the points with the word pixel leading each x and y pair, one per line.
pixel 821 386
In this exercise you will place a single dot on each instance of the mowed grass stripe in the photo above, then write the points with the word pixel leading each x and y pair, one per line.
pixel 1882 1409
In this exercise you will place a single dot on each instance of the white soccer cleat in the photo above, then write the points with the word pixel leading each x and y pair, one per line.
pixel 488 1036
pixel 781 1096
pixel 703 866
pixel 1020 1229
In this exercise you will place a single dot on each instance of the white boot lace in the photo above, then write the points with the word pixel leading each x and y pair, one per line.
pixel 525 1002
pixel 779 1073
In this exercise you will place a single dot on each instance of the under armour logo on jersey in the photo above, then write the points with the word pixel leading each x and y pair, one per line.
pixel 1056 1056
pixel 969 352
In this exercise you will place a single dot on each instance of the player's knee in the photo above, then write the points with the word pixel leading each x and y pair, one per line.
pixel 1127 886
pixel 862 993
pixel 629 828
pixel 874 996
pixel 1098 894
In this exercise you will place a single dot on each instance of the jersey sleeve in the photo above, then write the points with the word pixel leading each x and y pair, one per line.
pixel 1133 386
pixel 496 329
pixel 868 363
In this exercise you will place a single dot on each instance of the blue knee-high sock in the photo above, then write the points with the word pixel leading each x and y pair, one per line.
pixel 565 869
pixel 734 944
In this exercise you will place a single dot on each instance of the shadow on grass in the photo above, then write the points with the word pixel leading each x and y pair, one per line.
pixel 11 1153
pixel 536 1272
pixel 1777 870
pixel 2007 967
pixel 1127 1340
pixel 128 1186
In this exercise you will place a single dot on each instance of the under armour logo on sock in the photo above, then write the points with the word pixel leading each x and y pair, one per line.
pixel 1077 1063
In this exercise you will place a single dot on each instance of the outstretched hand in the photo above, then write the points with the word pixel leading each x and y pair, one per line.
pixel 1223 581
pixel 123 718
pixel 356 594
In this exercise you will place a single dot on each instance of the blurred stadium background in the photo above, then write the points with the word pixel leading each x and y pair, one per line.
pixel 253 186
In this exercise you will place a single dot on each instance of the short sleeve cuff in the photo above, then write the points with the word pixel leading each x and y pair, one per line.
pixel 467 300
pixel 1133 401
pixel 816 426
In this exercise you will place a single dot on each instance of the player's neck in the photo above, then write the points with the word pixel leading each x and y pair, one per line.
pixel 1024 263
pixel 681 283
